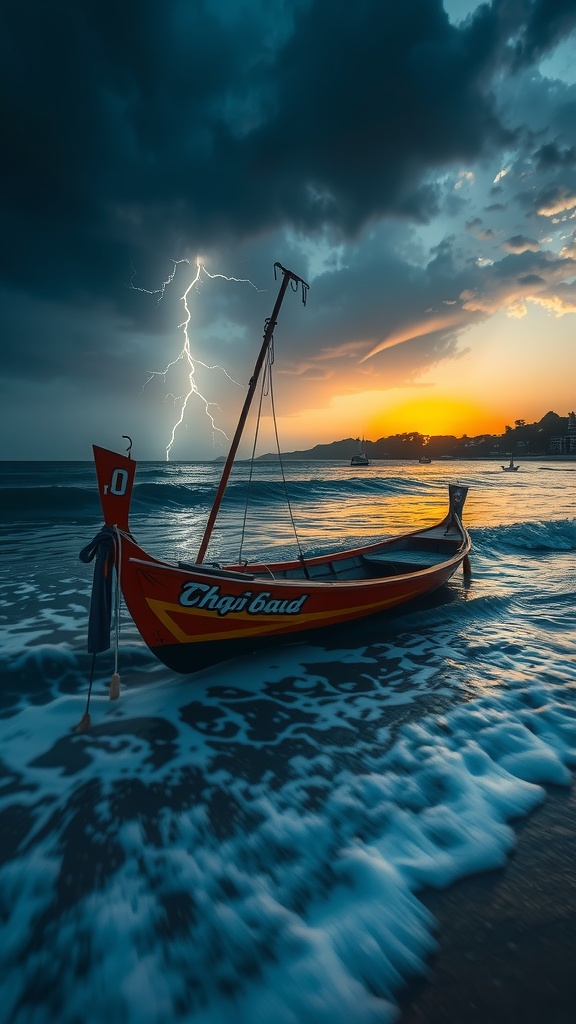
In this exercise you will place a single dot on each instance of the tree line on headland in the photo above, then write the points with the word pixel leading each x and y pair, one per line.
pixel 523 438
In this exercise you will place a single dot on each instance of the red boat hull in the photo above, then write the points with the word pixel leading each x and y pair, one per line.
pixel 191 616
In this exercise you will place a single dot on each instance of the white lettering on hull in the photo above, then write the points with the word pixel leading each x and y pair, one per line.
pixel 211 598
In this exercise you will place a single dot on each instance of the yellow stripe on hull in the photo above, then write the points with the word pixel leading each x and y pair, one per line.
pixel 262 624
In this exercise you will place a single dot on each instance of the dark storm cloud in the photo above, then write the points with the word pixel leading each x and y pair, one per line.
pixel 531 280
pixel 520 243
pixel 547 22
pixel 551 155
pixel 550 199
pixel 475 226
pixel 534 276
pixel 134 130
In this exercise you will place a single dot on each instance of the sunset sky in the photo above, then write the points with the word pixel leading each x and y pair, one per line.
pixel 414 162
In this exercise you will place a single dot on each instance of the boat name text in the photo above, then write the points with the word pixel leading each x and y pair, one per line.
pixel 201 595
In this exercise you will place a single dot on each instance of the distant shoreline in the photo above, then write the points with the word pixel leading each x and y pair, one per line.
pixel 551 438
pixel 519 459
pixel 300 457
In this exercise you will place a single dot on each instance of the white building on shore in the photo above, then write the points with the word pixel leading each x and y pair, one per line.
pixel 565 444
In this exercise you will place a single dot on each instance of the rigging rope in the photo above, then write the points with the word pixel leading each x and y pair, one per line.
pixel 267 388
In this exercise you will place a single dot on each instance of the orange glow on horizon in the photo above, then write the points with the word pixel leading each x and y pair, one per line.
pixel 373 415
pixel 423 409
pixel 436 416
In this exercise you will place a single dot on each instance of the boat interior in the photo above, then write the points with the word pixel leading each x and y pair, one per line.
pixel 392 558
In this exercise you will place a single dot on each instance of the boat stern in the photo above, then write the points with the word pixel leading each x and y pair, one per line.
pixel 457 496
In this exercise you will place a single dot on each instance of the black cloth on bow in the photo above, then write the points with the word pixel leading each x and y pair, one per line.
pixel 102 548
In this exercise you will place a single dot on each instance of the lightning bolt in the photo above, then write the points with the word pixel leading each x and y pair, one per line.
pixel 185 355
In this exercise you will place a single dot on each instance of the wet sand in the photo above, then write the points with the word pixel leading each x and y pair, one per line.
pixel 507 939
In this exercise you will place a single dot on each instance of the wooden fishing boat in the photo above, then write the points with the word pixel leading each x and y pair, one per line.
pixel 194 614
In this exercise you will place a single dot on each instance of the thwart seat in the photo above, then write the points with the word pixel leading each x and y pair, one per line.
pixel 399 556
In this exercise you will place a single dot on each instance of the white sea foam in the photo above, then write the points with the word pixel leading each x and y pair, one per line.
pixel 296 899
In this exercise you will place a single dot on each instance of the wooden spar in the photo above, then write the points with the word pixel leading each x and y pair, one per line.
pixel 287 276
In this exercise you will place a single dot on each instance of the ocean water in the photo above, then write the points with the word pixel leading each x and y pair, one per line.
pixel 248 844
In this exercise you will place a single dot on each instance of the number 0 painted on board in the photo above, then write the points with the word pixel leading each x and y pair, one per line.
pixel 119 482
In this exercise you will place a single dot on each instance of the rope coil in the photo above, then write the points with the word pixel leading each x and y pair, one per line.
pixel 105 603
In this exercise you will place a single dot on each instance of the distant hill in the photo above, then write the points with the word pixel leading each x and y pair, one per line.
pixel 523 438
pixel 337 450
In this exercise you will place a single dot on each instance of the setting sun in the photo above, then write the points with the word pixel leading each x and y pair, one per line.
pixel 378 414
pixel 436 416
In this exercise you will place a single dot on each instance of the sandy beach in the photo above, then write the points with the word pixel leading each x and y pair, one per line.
pixel 507 939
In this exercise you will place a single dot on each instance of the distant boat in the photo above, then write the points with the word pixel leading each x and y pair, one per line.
pixel 360 459
pixel 424 459
pixel 511 468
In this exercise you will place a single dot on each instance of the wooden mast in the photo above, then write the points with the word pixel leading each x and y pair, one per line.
pixel 269 326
